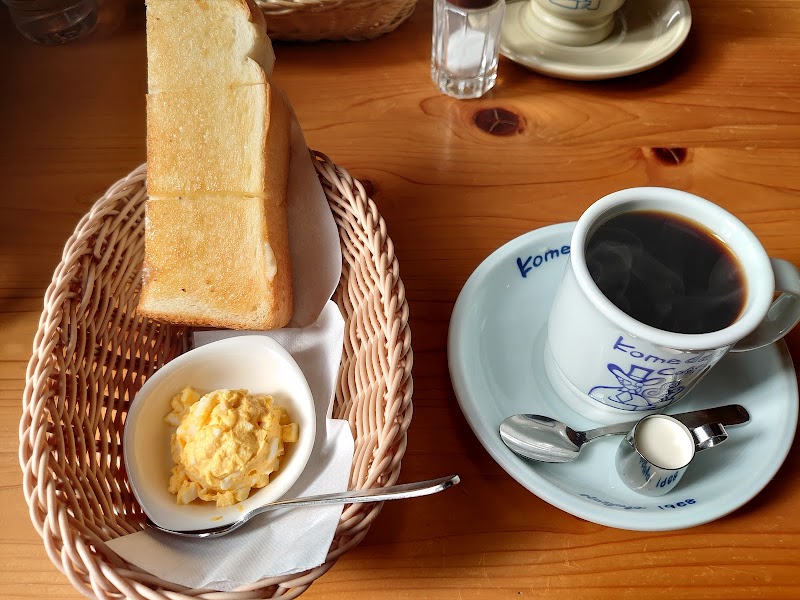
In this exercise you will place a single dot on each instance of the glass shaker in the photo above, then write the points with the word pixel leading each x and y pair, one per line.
pixel 466 37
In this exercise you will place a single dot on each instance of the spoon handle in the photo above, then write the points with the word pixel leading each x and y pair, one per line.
pixel 729 415
pixel 392 492
pixel 615 429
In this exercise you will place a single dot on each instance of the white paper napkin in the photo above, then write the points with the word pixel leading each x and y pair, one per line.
pixel 290 540
pixel 314 238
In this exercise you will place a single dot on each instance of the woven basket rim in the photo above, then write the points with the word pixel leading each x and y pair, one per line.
pixel 315 20
pixel 73 518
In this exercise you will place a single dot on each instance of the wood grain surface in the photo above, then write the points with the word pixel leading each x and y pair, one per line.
pixel 720 119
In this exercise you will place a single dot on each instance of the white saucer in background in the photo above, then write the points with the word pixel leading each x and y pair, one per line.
pixel 646 33
pixel 495 353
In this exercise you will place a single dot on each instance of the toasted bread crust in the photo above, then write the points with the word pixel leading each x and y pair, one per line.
pixel 254 14
pixel 278 143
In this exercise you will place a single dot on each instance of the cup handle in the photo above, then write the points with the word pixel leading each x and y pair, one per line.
pixel 784 312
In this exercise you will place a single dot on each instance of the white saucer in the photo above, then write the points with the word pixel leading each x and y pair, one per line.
pixel 495 352
pixel 646 33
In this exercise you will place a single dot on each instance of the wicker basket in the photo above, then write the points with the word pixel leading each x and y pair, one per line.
pixel 313 20
pixel 92 353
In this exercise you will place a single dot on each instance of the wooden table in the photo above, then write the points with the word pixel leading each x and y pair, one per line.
pixel 720 119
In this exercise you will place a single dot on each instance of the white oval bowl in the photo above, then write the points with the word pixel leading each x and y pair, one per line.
pixel 252 362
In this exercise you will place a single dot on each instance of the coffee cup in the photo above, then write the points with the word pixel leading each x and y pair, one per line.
pixel 659 286
pixel 571 22
pixel 654 456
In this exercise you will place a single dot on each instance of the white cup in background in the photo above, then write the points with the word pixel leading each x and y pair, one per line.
pixel 571 22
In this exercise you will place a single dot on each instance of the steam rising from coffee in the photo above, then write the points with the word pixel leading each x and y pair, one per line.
pixel 667 272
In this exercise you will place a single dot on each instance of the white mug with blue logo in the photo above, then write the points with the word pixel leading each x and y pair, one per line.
pixel 654 331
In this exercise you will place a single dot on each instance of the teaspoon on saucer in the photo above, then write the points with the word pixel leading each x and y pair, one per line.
pixel 547 440
pixel 392 492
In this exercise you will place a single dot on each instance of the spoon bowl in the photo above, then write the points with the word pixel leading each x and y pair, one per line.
pixel 547 440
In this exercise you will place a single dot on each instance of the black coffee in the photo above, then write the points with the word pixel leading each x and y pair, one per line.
pixel 666 271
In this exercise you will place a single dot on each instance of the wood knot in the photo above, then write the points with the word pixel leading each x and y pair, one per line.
pixel 498 121
pixel 669 156
pixel 369 188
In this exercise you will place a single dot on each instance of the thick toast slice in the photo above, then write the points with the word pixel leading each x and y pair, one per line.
pixel 205 43
pixel 216 140
pixel 216 261
pixel 218 143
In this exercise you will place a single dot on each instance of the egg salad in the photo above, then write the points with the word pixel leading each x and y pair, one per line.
pixel 226 443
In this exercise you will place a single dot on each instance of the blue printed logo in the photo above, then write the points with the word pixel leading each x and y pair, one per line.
pixel 636 389
pixel 577 4
pixel 534 262
pixel 649 381
pixel 644 467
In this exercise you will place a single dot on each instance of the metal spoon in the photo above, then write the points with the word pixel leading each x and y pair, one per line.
pixel 392 492
pixel 547 440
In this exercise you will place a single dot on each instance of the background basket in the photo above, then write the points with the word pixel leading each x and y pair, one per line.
pixel 312 20
pixel 92 353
